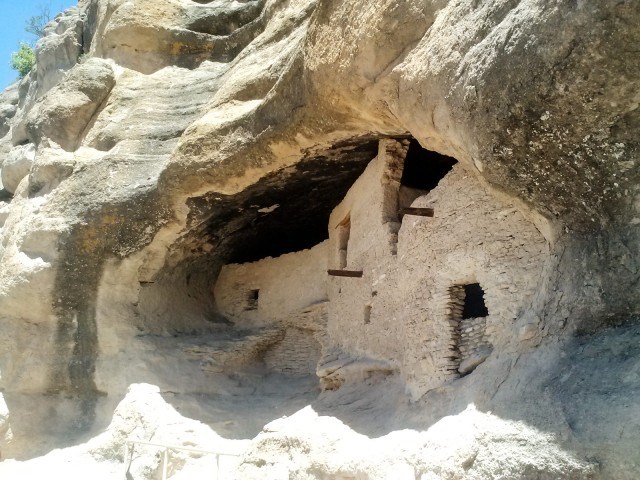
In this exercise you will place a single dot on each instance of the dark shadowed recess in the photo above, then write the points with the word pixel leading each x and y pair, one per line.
pixel 286 211
pixel 423 169
pixel 474 305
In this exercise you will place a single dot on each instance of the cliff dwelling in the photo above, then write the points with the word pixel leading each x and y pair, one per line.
pixel 391 219
pixel 314 239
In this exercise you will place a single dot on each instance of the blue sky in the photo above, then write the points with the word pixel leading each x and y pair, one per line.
pixel 12 20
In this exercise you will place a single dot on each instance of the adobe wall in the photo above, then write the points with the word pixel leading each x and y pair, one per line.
pixel 371 204
pixel 401 309
pixel 286 284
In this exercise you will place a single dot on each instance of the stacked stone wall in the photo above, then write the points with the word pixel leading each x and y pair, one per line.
pixel 259 293
pixel 297 354
pixel 474 345
pixel 400 310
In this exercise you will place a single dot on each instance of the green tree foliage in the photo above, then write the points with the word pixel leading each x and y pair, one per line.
pixel 24 59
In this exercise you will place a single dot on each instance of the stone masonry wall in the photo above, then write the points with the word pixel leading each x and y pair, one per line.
pixel 472 238
pixel 285 284
pixel 473 343
pixel 299 351
pixel 397 310
pixel 296 354
pixel 372 204
pixel 291 297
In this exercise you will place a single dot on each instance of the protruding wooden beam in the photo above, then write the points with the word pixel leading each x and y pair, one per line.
pixel 345 273
pixel 420 212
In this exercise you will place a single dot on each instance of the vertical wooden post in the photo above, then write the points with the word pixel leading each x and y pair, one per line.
pixel 165 463
pixel 125 458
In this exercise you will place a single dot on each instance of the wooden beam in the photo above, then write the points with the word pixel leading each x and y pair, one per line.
pixel 420 212
pixel 345 273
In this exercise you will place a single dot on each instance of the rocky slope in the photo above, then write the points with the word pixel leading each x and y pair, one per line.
pixel 137 154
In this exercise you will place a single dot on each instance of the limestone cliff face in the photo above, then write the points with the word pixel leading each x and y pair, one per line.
pixel 140 154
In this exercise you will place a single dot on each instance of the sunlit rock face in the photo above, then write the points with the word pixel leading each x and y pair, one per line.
pixel 158 142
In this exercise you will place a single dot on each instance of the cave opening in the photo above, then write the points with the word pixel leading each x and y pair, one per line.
pixel 288 211
pixel 285 211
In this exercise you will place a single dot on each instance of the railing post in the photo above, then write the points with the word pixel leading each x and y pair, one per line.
pixel 165 463
pixel 129 448
pixel 124 459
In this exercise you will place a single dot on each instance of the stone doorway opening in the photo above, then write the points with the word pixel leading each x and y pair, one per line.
pixel 474 306
pixel 468 314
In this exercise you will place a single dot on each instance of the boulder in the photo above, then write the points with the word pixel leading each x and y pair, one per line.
pixel 52 166
pixel 17 165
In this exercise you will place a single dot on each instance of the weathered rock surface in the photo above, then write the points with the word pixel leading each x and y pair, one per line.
pixel 8 107
pixel 17 165
pixel 60 48
pixel 65 111
pixel 142 414
pixel 468 445
pixel 194 134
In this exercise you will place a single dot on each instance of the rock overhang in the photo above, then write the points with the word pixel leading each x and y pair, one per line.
pixel 285 211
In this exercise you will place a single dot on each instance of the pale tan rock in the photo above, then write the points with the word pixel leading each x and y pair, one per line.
pixel 17 165
pixel 8 107
pixel 27 96
pixel 59 49
pixel 468 445
pixel 161 159
pixel 64 113
pixel 52 166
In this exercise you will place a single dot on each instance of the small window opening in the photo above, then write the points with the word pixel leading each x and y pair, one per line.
pixel 252 299
pixel 367 314
pixel 474 306
pixel 422 171
pixel 344 232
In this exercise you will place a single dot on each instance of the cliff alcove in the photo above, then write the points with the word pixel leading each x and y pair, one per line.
pixel 411 229
pixel 284 212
